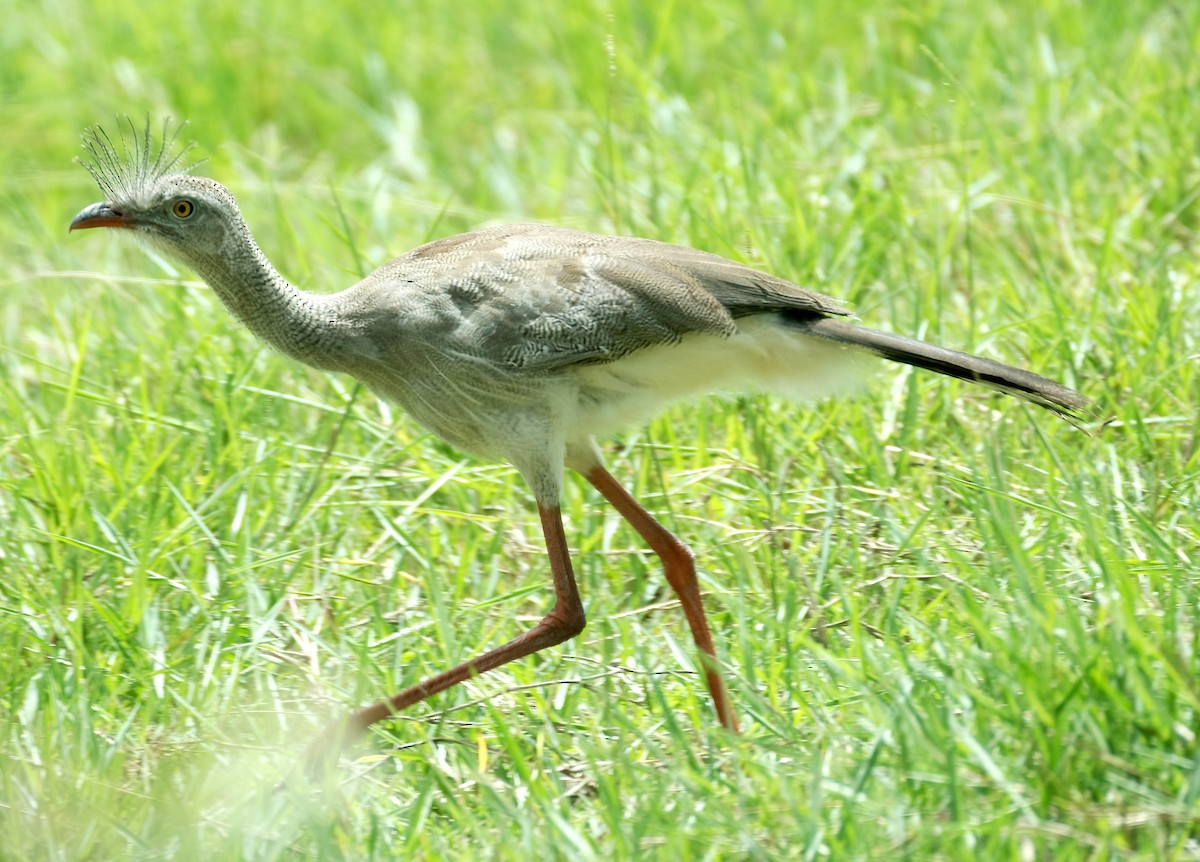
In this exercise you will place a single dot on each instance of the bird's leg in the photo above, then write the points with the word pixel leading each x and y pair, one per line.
pixel 680 570
pixel 564 621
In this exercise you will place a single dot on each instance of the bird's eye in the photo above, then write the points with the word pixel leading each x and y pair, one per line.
pixel 183 208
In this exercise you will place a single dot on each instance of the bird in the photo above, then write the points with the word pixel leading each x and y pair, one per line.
pixel 527 343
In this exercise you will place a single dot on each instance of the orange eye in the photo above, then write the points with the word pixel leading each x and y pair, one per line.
pixel 183 208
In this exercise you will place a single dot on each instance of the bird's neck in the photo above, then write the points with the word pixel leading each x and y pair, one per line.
pixel 302 325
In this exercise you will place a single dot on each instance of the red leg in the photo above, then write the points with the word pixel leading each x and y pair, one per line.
pixel 564 621
pixel 681 575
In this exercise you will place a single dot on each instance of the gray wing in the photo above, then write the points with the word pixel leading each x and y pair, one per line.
pixel 537 298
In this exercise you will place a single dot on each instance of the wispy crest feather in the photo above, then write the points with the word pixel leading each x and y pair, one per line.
pixel 128 168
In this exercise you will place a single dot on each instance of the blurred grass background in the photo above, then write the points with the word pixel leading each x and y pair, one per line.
pixel 956 627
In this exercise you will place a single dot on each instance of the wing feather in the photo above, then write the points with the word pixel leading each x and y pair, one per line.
pixel 538 299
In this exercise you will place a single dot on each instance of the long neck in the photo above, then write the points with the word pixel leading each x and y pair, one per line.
pixel 302 325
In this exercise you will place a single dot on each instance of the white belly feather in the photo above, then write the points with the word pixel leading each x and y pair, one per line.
pixel 764 356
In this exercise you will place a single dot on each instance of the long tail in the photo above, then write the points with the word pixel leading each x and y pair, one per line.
pixel 953 363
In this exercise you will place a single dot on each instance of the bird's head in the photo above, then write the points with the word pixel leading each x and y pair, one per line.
pixel 149 191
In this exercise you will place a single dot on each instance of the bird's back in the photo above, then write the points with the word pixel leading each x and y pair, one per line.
pixel 519 324
pixel 538 299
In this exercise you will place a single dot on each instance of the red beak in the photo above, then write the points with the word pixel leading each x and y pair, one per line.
pixel 99 215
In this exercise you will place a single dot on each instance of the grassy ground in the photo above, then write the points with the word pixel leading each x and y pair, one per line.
pixel 955 626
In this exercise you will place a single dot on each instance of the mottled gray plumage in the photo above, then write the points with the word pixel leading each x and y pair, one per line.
pixel 524 342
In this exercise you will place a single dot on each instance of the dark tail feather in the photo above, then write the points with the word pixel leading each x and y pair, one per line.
pixel 953 363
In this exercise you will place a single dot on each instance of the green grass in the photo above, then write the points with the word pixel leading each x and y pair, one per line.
pixel 955 626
